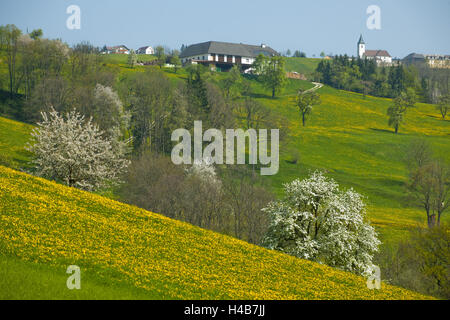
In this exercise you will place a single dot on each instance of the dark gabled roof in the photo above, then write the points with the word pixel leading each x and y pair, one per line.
pixel 414 56
pixel 361 40
pixel 117 47
pixel 232 49
pixel 144 48
pixel 376 53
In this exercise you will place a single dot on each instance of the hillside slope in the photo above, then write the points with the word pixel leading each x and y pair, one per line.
pixel 306 66
pixel 54 226
pixel 348 136
pixel 13 138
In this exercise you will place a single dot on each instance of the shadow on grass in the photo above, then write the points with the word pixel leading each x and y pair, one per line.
pixel 437 117
pixel 384 130
pixel 294 162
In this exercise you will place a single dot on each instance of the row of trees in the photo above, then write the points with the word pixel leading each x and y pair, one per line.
pixel 364 76
pixel 296 54
pixel 30 58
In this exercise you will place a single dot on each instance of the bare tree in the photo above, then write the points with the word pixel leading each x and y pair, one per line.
pixel 444 105
pixel 429 181
pixel 52 92
pixel 246 196
pixel 255 113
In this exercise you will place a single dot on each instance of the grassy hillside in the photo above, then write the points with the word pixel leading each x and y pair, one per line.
pixel 44 227
pixel 13 138
pixel 347 135
pixel 305 66
pixel 24 280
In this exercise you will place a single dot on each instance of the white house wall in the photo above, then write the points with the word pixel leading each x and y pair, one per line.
pixel 215 58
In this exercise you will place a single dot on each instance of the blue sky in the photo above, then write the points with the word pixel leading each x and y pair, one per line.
pixel 312 26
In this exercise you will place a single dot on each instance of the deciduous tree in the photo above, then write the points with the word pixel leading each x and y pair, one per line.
pixel 318 222
pixel 271 71
pixel 74 151
pixel 305 102
pixel 132 58
pixel 401 104
pixel 161 56
pixel 444 105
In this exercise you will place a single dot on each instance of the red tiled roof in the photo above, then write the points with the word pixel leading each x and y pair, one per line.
pixel 376 53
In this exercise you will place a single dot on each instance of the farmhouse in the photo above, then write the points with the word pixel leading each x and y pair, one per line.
pixel 380 56
pixel 145 50
pixel 117 49
pixel 223 55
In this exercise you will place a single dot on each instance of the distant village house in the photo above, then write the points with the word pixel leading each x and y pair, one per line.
pixel 145 50
pixel 116 49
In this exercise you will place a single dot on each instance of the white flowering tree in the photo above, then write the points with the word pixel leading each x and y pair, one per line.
pixel 108 111
pixel 75 152
pixel 318 222
pixel 203 169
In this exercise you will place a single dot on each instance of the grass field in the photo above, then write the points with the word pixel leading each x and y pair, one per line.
pixel 348 137
pixel 306 66
pixel 124 251
pixel 23 280
pixel 13 138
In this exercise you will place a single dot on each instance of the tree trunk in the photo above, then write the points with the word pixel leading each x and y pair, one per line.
pixel 432 221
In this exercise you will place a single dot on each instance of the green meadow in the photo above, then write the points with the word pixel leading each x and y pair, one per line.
pixel 306 66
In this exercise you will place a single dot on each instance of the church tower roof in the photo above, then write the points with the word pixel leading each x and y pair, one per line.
pixel 361 40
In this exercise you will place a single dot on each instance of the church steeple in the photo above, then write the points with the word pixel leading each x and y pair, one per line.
pixel 361 40
pixel 361 47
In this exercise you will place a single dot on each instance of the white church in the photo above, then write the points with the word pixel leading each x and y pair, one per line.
pixel 380 56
